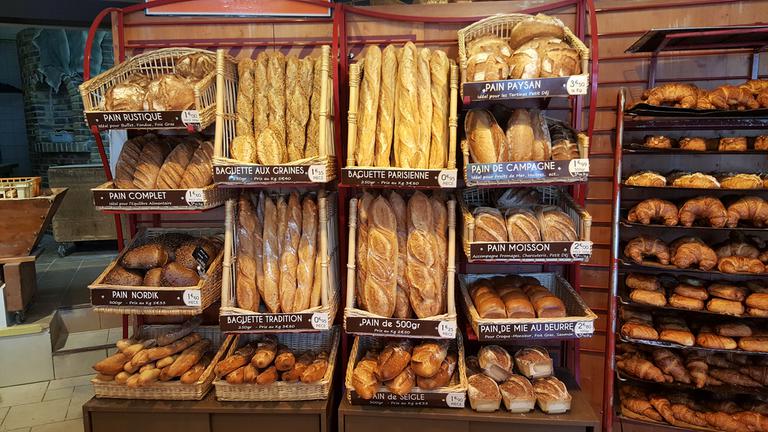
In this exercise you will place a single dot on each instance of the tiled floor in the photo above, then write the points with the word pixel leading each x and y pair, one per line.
pixel 49 406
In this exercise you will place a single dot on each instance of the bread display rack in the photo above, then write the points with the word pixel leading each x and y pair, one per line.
pixel 172 390
pixel 362 322
pixel 398 177
pixel 236 320
pixel 316 170
pixel 579 322
pixel 636 152
pixel 282 391
pixel 154 63
pixel 452 395
pixel 529 252
pixel 143 300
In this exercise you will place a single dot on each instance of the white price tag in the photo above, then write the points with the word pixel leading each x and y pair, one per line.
pixel 192 298
pixel 320 321
pixel 316 173
pixel 577 85
pixel 194 196
pixel 578 166
pixel 447 178
pixel 447 329
pixel 190 116
pixel 581 249
pixel 456 400
pixel 584 329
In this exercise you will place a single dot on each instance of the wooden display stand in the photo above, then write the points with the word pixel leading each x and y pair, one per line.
pixel 354 418
pixel 207 415
pixel 20 279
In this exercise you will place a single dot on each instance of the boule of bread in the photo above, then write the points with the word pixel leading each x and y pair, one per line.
pixel 368 106
pixel 526 61
pixel 519 136
pixel 169 92
pixel 489 44
pixel 522 226
pixel 538 26
pixel 486 66
pixel 485 138
pixel 558 59
pixel 489 225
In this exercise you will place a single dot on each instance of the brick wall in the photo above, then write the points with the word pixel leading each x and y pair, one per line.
pixel 48 112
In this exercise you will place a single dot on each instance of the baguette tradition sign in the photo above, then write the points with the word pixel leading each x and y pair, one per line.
pixel 274 322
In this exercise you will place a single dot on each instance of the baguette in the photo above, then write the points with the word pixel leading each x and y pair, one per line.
pixel 188 327
pixel 299 366
pixel 363 207
pixel 406 141
pixel 276 102
pixel 380 289
pixel 157 353
pixel 316 370
pixel 368 106
pixel 188 358
pixel 241 357
pixel 112 365
pixel 384 119
pixel 421 257
pixel 245 91
pixel 258 245
pixel 424 123
pixel 122 377
pixel 402 300
pixel 289 256
pixel 268 376
pixel 285 359
pixel 270 257
pixel 250 373
pixel 317 281
pixel 439 270
pixel 439 67
pixel 312 148
pixel 265 353
pixel 237 376
pixel 166 361
pixel 247 293
pixel 261 109
pixel 298 78
pixel 195 372
pixel 306 255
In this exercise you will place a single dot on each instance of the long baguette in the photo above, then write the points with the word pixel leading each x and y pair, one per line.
pixel 276 99
pixel 312 148
pixel 258 244
pixel 367 106
pixel 439 67
pixel 440 215
pixel 260 107
pixel 245 91
pixel 289 254
pixel 298 90
pixel 406 140
pixel 195 372
pixel 403 301
pixel 271 257
pixel 189 357
pixel 423 91
pixel 247 226
pixel 157 353
pixel 305 271
pixel 361 257
pixel 385 122
pixel 317 281
pixel 186 328
pixel 241 357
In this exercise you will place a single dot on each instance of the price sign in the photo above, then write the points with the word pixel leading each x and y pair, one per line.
pixel 447 178
pixel 456 400
pixel 192 298
pixel 194 196
pixel 316 173
pixel 577 85
pixel 320 321
pixel 190 117
pixel 447 329
pixel 578 166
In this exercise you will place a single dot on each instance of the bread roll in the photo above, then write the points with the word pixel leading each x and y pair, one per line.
pixel 393 359
pixel 440 68
pixel 487 142
pixel 368 106
pixel 298 90
pixel 364 377
pixel 271 258
pixel 312 147
pixel 519 136
pixel 402 301
pixel 305 272
pixel 420 157
pixel 265 353
pixel 407 114
pixel 245 91
pixel 176 275
pixel 427 358
pixel 443 376
pixel 380 289
pixel 289 255
pixel 300 365
pixel 316 370
pixel 385 123
pixel 248 225
pixel 424 292
pixel 145 257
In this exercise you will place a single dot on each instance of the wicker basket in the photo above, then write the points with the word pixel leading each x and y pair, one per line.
pixel 456 389
pixel 280 391
pixel 583 144
pixel 154 64
pixel 107 197
pixel 227 114
pixel 576 309
pixel 356 71
pixel 170 390
pixel 19 187
pixel 328 242
pixel 353 311
pixel 551 196
pixel 208 289
pixel 501 25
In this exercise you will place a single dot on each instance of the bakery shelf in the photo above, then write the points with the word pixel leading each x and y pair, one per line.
pixel 658 425
pixel 671 345
pixel 108 198
pixel 233 319
pixel 655 266
pixel 656 227
pixel 624 300
pixel 711 123
pixel 646 110
pixel 655 190
pixel 639 149
pixel 579 322
pixel 725 389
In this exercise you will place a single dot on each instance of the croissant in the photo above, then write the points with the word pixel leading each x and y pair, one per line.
pixel 679 95
pixel 724 422
pixel 640 247
pixel 728 96
pixel 640 368
pixel 762 99
pixel 658 141
pixel 702 101
pixel 761 142
pixel 733 377
pixel 704 207
pixel 749 208
pixel 756 86
pixel 698 368
pixel 653 209
pixel 642 407
pixel 741 249
pixel 689 251
pixel 754 420
pixel 739 264
pixel 671 364
pixel 685 414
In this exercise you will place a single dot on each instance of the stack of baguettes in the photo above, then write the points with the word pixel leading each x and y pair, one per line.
pixel 278 109
pixel 401 257
pixel 277 249
pixel 403 108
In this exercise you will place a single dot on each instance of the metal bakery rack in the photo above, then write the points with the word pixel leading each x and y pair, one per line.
pixel 633 122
